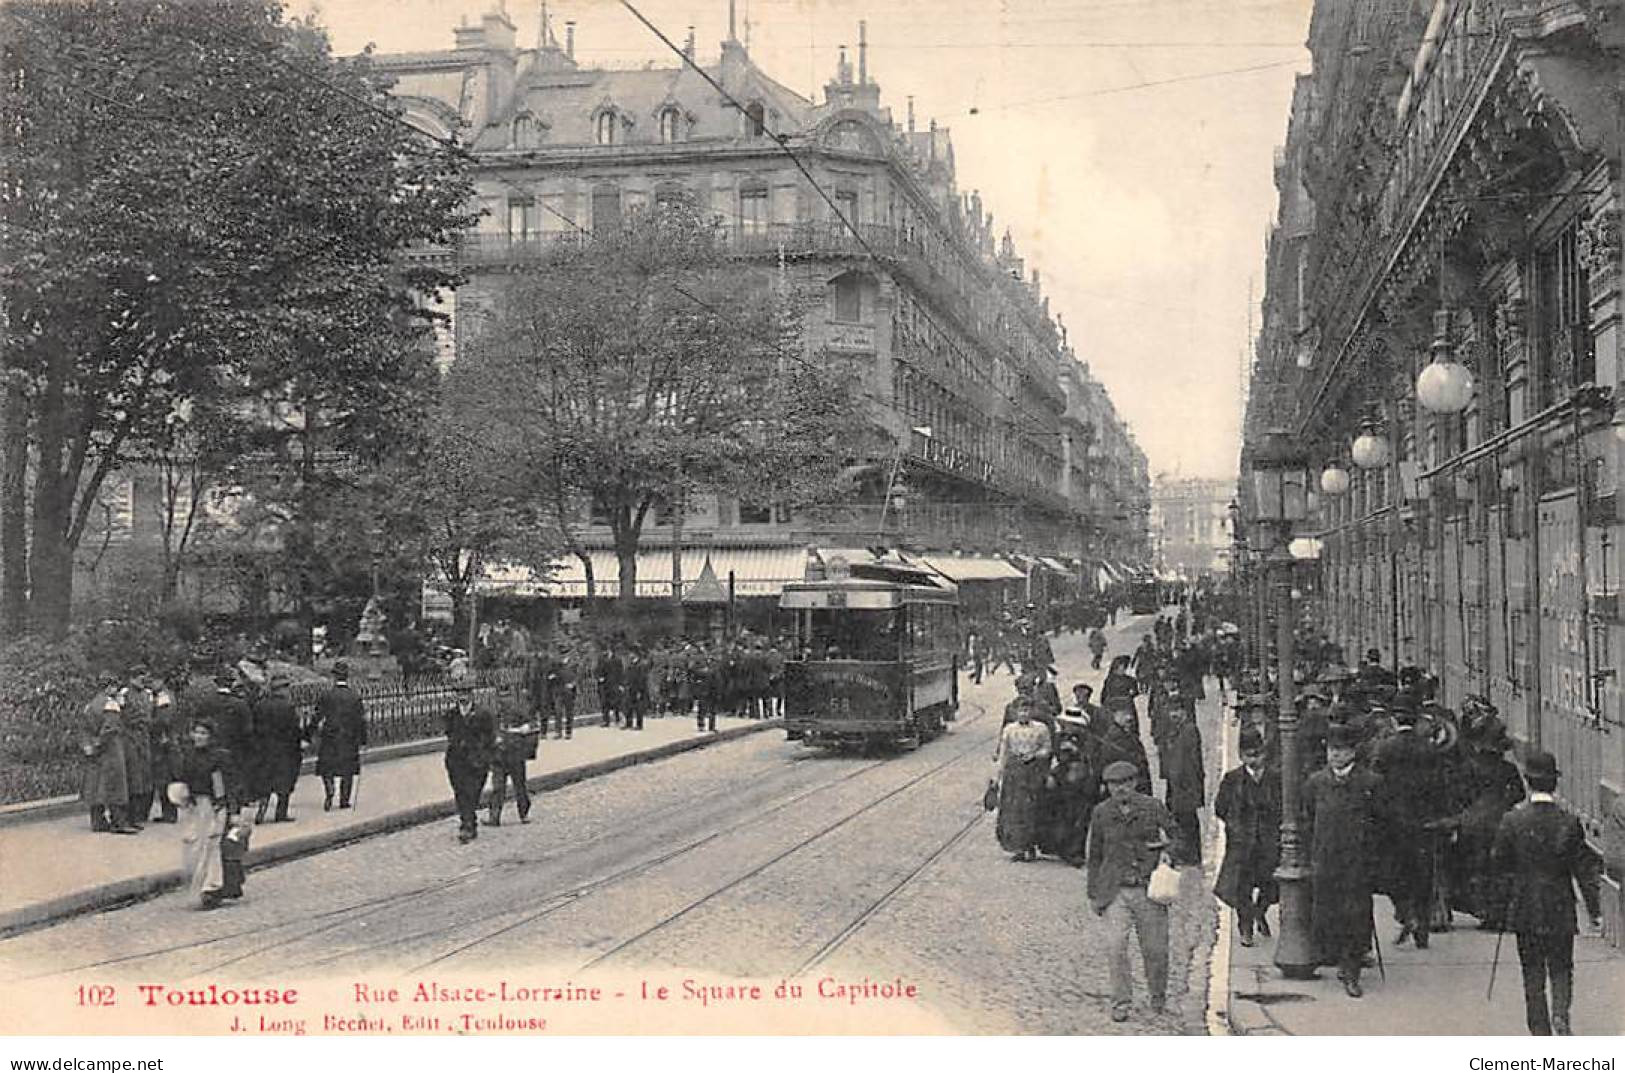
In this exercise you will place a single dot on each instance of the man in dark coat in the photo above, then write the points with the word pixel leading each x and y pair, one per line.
pixel 1412 798
pixel 634 688
pixel 1127 832
pixel 1249 803
pixel 610 676
pixel 1341 830
pixel 514 748
pixel 1121 743
pixel 471 728
pixel 166 734
pixel 340 732
pixel 1542 849
pixel 277 748
pixel 564 689
pixel 1180 756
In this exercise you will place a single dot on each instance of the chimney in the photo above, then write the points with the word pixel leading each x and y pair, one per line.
pixel 732 34
pixel 570 38
pixel 688 45
pixel 911 115
pixel 863 52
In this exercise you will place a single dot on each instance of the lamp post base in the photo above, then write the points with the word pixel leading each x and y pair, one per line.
pixel 1294 951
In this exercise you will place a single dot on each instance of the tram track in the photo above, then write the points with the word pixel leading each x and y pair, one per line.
pixel 564 899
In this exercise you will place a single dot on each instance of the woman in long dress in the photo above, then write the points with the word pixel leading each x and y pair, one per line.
pixel 1022 762
pixel 203 816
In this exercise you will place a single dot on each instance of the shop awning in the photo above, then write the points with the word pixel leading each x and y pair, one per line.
pixel 960 568
pixel 757 571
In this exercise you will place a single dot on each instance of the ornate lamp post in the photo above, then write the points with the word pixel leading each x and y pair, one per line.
pixel 1280 492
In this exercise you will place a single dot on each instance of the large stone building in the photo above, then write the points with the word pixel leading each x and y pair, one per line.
pixel 1007 446
pixel 1190 524
pixel 1450 192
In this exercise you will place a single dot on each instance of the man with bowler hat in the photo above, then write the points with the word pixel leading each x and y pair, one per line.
pixel 1340 821
pixel 340 732
pixel 471 730
pixel 1542 849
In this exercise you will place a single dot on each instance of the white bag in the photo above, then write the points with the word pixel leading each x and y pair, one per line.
pixel 1164 886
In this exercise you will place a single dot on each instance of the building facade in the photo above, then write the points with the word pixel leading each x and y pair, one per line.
pixel 1450 192
pixel 1190 524
pixel 1005 445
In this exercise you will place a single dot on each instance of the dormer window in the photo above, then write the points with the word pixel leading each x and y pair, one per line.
pixel 606 127
pixel 755 120
pixel 526 131
pixel 671 125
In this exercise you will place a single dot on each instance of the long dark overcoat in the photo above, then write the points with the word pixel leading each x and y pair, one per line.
pixel 138 742
pixel 341 731
pixel 277 751
pixel 1251 811
pixel 106 779
pixel 1341 828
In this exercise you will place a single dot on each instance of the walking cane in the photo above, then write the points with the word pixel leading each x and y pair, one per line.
pixel 1500 933
pixel 1376 943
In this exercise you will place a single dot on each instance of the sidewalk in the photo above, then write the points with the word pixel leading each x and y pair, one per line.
pixel 56 866
pixel 1440 991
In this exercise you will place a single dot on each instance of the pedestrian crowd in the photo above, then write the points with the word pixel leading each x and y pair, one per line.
pixel 1406 797
pixel 215 759
pixel 1400 796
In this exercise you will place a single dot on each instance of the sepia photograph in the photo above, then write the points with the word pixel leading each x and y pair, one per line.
pixel 811 518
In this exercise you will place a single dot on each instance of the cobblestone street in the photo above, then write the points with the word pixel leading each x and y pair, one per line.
pixel 756 859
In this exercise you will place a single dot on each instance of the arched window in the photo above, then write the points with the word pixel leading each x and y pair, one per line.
pixel 604 128
pixel 525 132
pixel 755 120
pixel 671 125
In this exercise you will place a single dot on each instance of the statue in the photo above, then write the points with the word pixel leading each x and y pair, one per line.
pixel 371 636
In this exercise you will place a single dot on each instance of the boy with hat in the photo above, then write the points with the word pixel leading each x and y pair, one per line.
pixel 1127 834
pixel 1340 821
pixel 1542 848
pixel 1249 803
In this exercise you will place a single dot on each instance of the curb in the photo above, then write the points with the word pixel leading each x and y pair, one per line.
pixel 136 888
pixel 49 808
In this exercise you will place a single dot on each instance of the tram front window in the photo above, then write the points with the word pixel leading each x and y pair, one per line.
pixel 855 635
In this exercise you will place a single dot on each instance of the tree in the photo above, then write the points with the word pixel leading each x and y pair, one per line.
pixel 200 206
pixel 454 501
pixel 646 363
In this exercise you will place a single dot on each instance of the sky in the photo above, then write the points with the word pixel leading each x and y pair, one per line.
pixel 1145 207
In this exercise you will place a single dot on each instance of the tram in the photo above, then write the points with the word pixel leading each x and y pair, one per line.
pixel 876 654
pixel 1144 596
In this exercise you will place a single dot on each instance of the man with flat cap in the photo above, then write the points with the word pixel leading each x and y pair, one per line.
pixel 1127 834
pixel 1340 827
pixel 1542 849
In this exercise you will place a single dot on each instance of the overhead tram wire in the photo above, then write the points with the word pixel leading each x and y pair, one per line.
pixel 779 140
pixel 1032 430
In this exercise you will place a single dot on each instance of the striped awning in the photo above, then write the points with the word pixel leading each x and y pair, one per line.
pixel 757 571
pixel 959 568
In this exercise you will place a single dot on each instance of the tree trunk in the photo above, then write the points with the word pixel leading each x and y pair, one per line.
pixel 13 507
pixel 50 566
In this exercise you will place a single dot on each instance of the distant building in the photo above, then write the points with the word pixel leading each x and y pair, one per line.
pixel 1190 524
pixel 1009 450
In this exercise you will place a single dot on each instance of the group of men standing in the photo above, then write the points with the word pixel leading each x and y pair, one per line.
pixel 741 677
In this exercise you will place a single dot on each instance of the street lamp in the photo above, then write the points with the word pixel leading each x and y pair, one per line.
pixel 1445 386
pixel 1280 481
